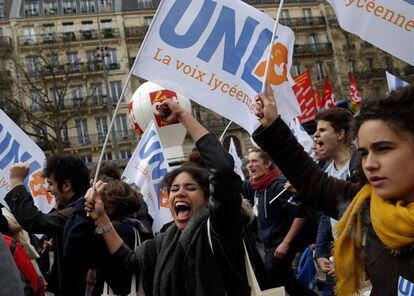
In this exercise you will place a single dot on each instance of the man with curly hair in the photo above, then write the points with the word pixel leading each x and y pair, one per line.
pixel 68 180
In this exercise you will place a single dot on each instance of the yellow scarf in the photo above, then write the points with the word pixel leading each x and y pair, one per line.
pixel 393 224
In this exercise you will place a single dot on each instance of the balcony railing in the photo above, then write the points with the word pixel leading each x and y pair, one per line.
pixel 148 4
pixel 69 68
pixel 99 138
pixel 312 49
pixel 303 21
pixel 136 31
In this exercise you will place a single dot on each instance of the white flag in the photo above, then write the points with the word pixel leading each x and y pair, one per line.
pixel 16 146
pixel 146 168
pixel 394 82
pixel 237 160
pixel 215 52
pixel 301 135
pixel 388 25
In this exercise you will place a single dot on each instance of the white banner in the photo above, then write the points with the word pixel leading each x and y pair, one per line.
pixel 16 146
pixel 146 168
pixel 215 53
pixel 301 135
pixel 236 158
pixel 386 24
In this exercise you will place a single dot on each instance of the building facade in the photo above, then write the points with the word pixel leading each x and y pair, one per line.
pixel 88 62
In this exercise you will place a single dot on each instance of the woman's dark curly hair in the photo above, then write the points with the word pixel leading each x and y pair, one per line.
pixel 199 174
pixel 120 200
pixel 396 110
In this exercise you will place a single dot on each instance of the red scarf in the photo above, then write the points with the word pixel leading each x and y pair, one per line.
pixel 266 180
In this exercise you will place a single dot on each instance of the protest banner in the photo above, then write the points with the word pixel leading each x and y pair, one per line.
pixel 215 52
pixel 16 146
pixel 304 95
pixel 389 25
pixel 394 82
pixel 301 135
pixel 145 169
pixel 328 99
pixel 236 158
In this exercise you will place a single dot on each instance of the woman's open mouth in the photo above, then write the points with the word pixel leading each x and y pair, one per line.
pixel 182 210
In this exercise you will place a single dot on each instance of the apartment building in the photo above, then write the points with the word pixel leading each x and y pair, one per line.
pixel 88 62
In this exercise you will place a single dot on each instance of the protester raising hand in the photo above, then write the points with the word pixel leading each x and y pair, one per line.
pixel 94 205
pixel 265 107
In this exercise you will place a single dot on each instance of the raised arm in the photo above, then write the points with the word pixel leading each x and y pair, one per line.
pixel 316 188
pixel 26 213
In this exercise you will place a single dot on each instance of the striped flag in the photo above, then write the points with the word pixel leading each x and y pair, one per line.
pixel 394 82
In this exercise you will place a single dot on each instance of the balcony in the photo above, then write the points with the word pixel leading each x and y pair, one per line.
pixel 303 21
pixel 99 138
pixel 113 66
pixel 349 46
pixel 88 35
pixel 67 69
pixel 132 32
pixel 31 12
pixel 63 37
pixel 148 4
pixel 69 10
pixel 110 33
pixel 313 49
pixel 373 74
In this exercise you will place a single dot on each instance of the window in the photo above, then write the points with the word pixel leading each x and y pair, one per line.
pixel 126 154
pixel 320 71
pixel 29 35
pixel 285 14
pixel 87 158
pixel 121 126
pixel 31 7
pixel 82 129
pixel 112 59
pixel 76 95
pixel 53 64
pixel 101 127
pixel 295 70
pixel 68 30
pixel 58 95
pixel 69 6
pixel 147 20
pixel 370 64
pixel 1 8
pixel 87 26
pixel 144 3
pixel 96 91
pixel 115 90
pixel 106 24
pixel 307 12
pixel 93 64
pixel 105 5
pixel 36 99
pixel 313 39
pixel 108 156
pixel 64 132
pixel 50 7
pixel 33 64
pixel 48 33
pixel 87 6
pixel 73 61
pixel 351 66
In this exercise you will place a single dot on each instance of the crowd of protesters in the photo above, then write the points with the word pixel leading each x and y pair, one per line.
pixel 351 208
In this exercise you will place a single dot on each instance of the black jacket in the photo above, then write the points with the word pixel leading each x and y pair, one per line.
pixel 32 220
pixel 181 262
pixel 274 219
pixel 83 249
pixel 328 195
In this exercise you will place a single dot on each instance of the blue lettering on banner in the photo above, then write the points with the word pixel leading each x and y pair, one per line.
pixel 405 287
pixel 410 2
pixel 13 155
pixel 223 29
pixel 156 159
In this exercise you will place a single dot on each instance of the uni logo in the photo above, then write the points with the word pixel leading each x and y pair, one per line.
pixel 37 184
pixel 164 199
pixel 156 100
pixel 277 68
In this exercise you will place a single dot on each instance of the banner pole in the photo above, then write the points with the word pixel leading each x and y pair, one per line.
pixel 225 130
pixel 98 166
pixel 271 45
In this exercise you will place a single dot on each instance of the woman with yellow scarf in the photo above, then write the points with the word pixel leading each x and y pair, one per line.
pixel 375 236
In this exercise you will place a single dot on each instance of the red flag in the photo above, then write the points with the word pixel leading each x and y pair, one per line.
pixel 304 95
pixel 355 95
pixel 328 97
pixel 317 98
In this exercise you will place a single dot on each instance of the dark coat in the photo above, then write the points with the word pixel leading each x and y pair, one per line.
pixel 32 220
pixel 382 267
pixel 274 220
pixel 83 249
pixel 181 262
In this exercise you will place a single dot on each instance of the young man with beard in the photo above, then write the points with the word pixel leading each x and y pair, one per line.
pixel 279 223
pixel 68 179
pixel 334 141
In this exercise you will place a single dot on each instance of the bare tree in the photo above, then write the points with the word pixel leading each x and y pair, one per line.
pixel 50 86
